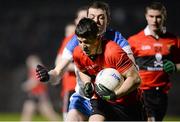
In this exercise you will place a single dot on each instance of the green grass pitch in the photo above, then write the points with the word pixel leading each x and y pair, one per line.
pixel 16 117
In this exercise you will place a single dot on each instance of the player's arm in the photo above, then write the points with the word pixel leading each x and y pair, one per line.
pixel 53 76
pixel 132 81
pixel 84 77
pixel 129 52
pixel 123 43
pixel 126 67
pixel 57 72
pixel 88 85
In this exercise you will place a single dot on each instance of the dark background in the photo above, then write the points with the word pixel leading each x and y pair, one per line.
pixel 37 26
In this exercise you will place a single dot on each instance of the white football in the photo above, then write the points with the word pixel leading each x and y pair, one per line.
pixel 110 78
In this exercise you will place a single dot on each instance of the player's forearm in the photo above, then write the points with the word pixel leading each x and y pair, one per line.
pixel 70 67
pixel 54 77
pixel 131 83
pixel 84 78
pixel 129 52
pixel 61 66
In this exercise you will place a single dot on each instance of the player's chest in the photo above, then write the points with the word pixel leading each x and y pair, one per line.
pixel 150 46
pixel 92 67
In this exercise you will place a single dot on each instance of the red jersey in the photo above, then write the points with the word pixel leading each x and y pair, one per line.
pixel 69 77
pixel 150 53
pixel 40 88
pixel 113 56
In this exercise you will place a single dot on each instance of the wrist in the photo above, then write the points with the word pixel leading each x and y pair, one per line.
pixel 53 79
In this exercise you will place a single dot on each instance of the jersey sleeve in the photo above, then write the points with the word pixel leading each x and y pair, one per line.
pixel 119 39
pixel 66 54
pixel 72 44
pixel 69 48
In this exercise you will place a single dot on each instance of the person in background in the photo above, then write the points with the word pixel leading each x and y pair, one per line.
pixel 80 108
pixel 37 96
pixel 155 50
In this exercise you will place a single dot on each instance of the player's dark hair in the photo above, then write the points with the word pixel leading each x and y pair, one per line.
pixel 157 6
pixel 101 5
pixel 87 28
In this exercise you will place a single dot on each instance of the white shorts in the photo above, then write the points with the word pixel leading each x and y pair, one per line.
pixel 81 104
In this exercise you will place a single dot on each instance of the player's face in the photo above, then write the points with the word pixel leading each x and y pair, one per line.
pixel 100 17
pixel 89 46
pixel 155 19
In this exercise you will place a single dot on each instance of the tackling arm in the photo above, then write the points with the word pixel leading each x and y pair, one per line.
pixel 88 86
pixel 58 71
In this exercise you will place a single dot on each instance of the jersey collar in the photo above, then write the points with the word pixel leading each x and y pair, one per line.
pixel 148 32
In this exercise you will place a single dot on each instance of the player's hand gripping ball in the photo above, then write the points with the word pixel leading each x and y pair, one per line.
pixel 106 82
pixel 88 90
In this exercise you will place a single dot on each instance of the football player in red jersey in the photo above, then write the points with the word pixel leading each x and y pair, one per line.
pixel 37 94
pixel 155 52
pixel 92 55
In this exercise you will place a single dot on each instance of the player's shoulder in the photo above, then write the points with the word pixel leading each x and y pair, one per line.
pixel 77 53
pixel 77 50
pixel 111 46
pixel 111 43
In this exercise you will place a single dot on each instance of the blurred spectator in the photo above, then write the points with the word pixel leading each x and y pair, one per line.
pixel 37 96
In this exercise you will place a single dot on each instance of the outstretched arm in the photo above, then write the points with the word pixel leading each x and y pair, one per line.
pixel 53 76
